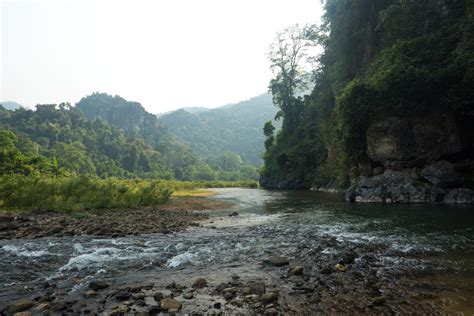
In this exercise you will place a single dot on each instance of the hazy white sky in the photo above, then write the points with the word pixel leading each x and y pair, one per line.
pixel 163 54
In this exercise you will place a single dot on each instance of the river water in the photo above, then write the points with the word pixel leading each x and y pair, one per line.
pixel 432 243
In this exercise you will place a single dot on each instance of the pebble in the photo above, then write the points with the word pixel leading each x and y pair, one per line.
pixel 297 270
pixel 269 297
pixel 98 285
pixel 278 261
pixel 188 295
pixel 90 293
pixel 200 283
pixel 168 304
pixel 20 306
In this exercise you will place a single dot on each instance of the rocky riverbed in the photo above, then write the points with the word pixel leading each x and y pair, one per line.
pixel 278 253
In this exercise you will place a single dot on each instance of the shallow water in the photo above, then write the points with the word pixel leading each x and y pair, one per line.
pixel 433 242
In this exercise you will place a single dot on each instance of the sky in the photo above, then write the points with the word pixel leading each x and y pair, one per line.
pixel 165 54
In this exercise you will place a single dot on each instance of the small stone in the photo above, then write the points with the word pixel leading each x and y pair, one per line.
pixel 228 296
pixel 43 306
pixel 138 296
pixel 252 298
pixel 23 314
pixel 200 283
pixel 20 306
pixel 90 293
pixel 233 214
pixel 278 261
pixel 122 295
pixel 188 295
pixel 237 302
pixel 269 306
pixel 169 303
pixel 158 296
pixel 121 310
pixel 269 297
pixel 271 312
pixel 217 305
pixel 127 303
pixel 297 270
pixel 98 285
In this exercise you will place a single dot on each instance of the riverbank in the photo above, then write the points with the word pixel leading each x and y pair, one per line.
pixel 176 215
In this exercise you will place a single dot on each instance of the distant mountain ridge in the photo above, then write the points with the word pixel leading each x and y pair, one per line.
pixel 11 105
pixel 233 127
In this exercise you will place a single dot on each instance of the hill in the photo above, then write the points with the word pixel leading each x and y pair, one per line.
pixel 11 105
pixel 234 127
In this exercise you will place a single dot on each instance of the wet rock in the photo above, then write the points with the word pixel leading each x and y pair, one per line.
pixel 278 261
pixel 269 297
pixel 297 270
pixel 441 174
pixel 138 296
pixel 158 296
pixel 20 306
pixel 200 283
pixel 23 314
pixel 459 196
pixel 90 293
pixel 98 285
pixel 169 304
pixel 43 306
pixel 154 310
pixel 228 295
pixel 122 295
pixel 237 302
pixel 253 288
pixel 252 298
pixel 233 214
pixel 188 295
pixel 217 305
pixel 392 187
pixel 271 312
pixel 120 310
pixel 59 306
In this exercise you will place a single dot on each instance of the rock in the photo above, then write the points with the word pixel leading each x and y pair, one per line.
pixel 169 303
pixel 98 285
pixel 138 296
pixel 253 288
pixel 90 293
pixel 20 306
pixel 349 257
pixel 158 296
pixel 237 302
pixel 217 305
pixel 233 214
pixel 441 174
pixel 459 196
pixel 120 310
pixel 188 295
pixel 413 138
pixel 252 298
pixel 23 314
pixel 269 297
pixel 122 295
pixel 59 306
pixel 278 261
pixel 200 283
pixel 297 270
pixel 392 187
pixel 378 170
pixel 271 312
pixel 43 306
pixel 228 295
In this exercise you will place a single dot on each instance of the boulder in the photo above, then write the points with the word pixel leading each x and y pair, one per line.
pixel 441 174
pixel 392 187
pixel 459 196
pixel 414 138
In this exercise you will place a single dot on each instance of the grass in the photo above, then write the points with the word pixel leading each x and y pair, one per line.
pixel 77 193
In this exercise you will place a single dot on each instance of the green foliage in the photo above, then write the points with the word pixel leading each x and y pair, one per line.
pixel 79 193
pixel 234 128
pixel 381 58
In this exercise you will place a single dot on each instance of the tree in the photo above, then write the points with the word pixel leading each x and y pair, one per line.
pixel 289 53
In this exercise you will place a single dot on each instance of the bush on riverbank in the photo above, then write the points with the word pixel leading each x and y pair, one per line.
pixel 82 192
pixel 79 193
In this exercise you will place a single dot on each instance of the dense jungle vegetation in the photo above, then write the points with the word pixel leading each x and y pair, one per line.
pixel 380 58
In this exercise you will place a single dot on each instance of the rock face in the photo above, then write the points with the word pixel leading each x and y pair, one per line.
pixel 459 196
pixel 392 187
pixel 408 139
pixel 440 173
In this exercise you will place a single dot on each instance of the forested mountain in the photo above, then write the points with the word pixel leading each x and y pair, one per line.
pixel 11 105
pixel 393 90
pixel 234 128
pixel 62 139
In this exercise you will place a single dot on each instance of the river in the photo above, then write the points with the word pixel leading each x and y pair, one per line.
pixel 423 247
